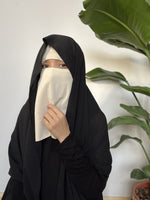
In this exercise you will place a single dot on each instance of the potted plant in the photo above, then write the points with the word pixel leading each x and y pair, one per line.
pixel 123 24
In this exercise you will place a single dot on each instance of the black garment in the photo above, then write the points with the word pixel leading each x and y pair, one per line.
pixel 77 168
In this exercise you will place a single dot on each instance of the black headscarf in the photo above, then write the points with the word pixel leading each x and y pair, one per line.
pixel 86 121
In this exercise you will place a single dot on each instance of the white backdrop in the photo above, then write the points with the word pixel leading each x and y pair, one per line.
pixel 23 25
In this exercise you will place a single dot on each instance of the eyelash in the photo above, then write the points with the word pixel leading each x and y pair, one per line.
pixel 44 66
pixel 63 65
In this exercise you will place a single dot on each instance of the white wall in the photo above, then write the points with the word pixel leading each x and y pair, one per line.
pixel 23 25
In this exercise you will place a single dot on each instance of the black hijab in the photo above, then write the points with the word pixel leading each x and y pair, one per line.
pixel 86 121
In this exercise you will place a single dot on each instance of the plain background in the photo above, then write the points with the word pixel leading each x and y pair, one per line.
pixel 23 25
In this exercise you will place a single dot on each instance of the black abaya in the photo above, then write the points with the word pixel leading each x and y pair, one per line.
pixel 77 168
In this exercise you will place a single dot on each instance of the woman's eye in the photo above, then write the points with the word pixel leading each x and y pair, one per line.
pixel 45 66
pixel 63 65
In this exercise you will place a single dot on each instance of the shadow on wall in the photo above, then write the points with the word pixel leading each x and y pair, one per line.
pixel 126 64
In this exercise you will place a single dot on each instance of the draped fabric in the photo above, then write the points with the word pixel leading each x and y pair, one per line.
pixel 79 167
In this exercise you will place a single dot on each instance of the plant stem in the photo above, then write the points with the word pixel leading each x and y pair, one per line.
pixel 147 121
pixel 135 97
pixel 146 154
pixel 147 53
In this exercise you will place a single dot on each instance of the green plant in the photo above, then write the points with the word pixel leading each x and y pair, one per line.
pixel 123 24
pixel 138 115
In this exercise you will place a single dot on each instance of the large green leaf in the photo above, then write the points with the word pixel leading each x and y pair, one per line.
pixel 136 110
pixel 129 120
pixel 123 23
pixel 138 174
pixel 126 137
pixel 139 89
pixel 101 74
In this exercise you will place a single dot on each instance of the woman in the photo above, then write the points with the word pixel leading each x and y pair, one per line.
pixel 62 152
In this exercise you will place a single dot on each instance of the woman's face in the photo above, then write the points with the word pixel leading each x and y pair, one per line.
pixel 54 63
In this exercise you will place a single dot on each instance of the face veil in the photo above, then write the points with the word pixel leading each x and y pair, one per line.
pixel 88 129
pixel 54 87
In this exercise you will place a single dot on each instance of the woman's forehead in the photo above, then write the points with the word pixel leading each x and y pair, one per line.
pixel 53 60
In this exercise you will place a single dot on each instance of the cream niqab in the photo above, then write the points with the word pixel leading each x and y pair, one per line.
pixel 54 87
